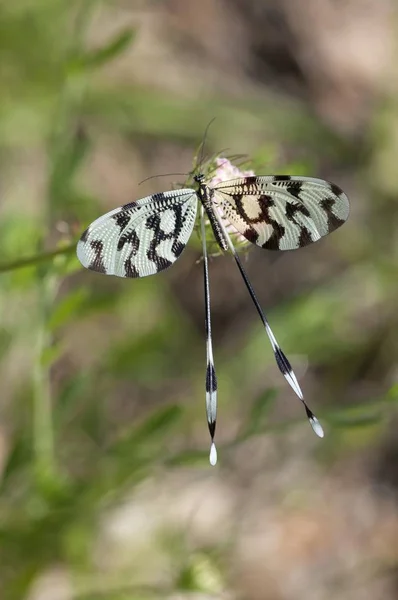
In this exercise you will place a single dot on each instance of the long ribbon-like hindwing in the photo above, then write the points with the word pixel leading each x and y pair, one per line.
pixel 211 379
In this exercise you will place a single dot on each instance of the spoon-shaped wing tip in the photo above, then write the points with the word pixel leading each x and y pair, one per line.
pixel 317 427
pixel 213 454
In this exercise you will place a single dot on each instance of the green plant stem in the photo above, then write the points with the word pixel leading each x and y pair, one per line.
pixel 43 437
pixel 36 259
pixel 69 98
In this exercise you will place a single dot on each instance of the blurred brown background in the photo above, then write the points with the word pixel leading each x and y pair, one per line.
pixel 106 491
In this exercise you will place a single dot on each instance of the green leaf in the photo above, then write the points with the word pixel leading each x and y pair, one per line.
pixel 66 160
pixel 392 394
pixel 260 411
pixel 190 458
pixel 66 264
pixel 355 417
pixel 50 355
pixel 158 423
pixel 74 391
pixel 145 443
pixel 67 308
pixel 98 58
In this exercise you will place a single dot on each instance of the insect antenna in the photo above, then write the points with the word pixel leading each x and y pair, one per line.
pixel 211 379
pixel 281 359
pixel 161 175
pixel 199 163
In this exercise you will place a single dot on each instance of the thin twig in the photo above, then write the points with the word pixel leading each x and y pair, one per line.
pixel 36 259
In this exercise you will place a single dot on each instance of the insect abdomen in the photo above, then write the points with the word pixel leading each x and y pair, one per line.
pixel 206 194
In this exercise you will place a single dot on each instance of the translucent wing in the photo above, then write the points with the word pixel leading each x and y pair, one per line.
pixel 140 238
pixel 282 212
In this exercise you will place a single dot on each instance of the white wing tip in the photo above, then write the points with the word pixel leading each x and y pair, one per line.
pixel 213 454
pixel 317 427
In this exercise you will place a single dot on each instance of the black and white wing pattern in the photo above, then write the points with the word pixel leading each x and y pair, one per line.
pixel 282 212
pixel 140 238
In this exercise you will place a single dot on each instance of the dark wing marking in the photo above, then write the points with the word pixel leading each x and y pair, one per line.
pixel 140 238
pixel 282 212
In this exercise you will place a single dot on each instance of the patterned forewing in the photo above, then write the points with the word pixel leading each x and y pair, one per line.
pixel 140 238
pixel 282 212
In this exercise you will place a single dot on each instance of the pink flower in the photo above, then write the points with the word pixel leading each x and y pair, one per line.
pixel 226 170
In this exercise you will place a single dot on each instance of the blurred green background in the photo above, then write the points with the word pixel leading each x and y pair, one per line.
pixel 106 491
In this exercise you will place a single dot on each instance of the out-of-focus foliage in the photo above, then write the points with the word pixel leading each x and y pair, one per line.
pixel 103 441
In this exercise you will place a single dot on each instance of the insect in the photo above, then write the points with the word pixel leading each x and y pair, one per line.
pixel 275 212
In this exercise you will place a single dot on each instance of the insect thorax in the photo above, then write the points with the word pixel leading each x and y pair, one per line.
pixel 206 196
